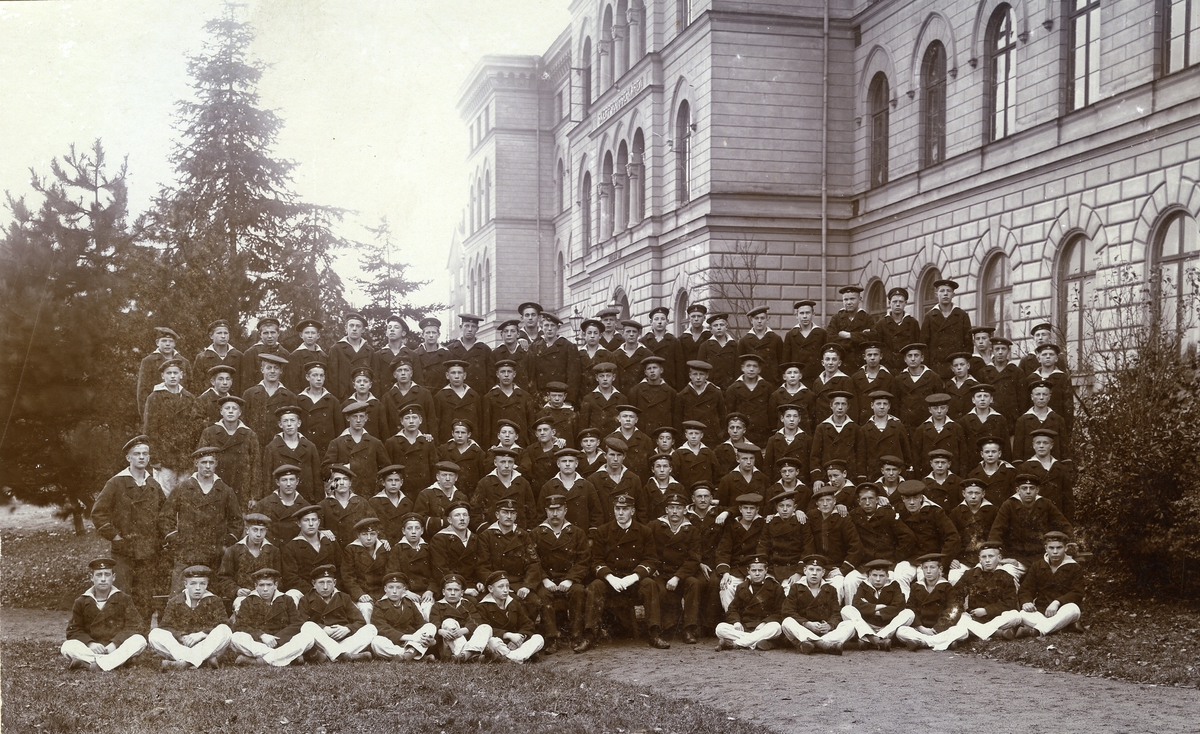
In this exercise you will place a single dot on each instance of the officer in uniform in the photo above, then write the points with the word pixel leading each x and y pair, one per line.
pixel 563 555
pixel 624 558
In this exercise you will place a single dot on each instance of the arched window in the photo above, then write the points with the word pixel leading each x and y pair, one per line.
pixel 487 286
pixel 1182 28
pixel 679 312
pixel 933 105
pixel 996 297
pixel 683 154
pixel 621 207
pixel 1001 48
pixel 585 212
pixel 683 14
pixel 560 281
pixel 621 301
pixel 622 27
pixel 1076 294
pixel 876 299
pixel 926 295
pixel 877 97
pixel 606 198
pixel 479 208
pixel 606 50
pixel 637 186
pixel 474 206
pixel 561 180
pixel 1176 275
pixel 585 93
pixel 487 197
pixel 472 288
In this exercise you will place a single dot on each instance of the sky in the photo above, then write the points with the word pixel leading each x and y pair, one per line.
pixel 367 91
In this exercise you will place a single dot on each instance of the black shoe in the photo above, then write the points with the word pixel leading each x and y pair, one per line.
pixel 584 645
pixel 689 637
pixel 551 646
pixel 658 643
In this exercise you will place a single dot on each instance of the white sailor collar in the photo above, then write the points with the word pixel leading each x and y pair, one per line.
pixel 90 590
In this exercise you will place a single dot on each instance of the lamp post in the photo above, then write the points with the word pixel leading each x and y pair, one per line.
pixel 576 319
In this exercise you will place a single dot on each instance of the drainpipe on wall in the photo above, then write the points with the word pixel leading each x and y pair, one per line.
pixel 824 159
pixel 537 142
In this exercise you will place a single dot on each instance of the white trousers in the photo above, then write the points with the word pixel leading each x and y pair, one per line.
pixel 864 628
pixel 532 644
pixel 797 632
pixel 764 631
pixel 285 653
pixel 351 645
pixel 246 645
pixel 984 630
pixel 367 608
pixel 477 642
pixel 114 658
pixel 296 595
pixel 165 644
pixel 940 641
pixel 904 573
pixel 386 649
pixel 1066 615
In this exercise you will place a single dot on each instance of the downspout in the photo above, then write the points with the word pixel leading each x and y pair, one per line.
pixel 537 141
pixel 824 159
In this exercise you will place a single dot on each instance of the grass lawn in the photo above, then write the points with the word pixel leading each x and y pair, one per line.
pixel 39 694
pixel 46 569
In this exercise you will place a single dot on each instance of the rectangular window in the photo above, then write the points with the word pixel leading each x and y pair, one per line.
pixel 1085 53
pixel 1183 34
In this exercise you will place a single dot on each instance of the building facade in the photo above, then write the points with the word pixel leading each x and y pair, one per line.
pixel 1043 153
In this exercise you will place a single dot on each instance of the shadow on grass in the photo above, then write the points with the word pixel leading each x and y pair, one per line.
pixel 41 695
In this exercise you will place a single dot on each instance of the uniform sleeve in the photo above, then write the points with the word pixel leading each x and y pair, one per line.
pixel 102 510
pixel 734 614
pixel 77 626
pixel 251 617
pixel 214 612
pixel 354 618
pixel 951 541
pixel 855 555
pixel 225 584
pixel 1076 590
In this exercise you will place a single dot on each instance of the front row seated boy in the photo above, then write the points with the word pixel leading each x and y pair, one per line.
pixel 989 597
pixel 194 629
pixel 934 602
pixel 264 620
pixel 105 627
pixel 402 634
pixel 1051 591
pixel 878 608
pixel 514 637
pixel 812 612
pixel 331 623
pixel 752 620
pixel 454 617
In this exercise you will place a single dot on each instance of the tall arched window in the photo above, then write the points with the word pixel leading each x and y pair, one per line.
pixel 472 289
pixel 876 299
pixel 487 197
pixel 1001 47
pixel 1076 294
pixel 926 295
pixel 933 105
pixel 585 74
pixel 561 179
pixel 487 285
pixel 560 282
pixel 606 198
pixel 622 27
pixel 996 297
pixel 683 153
pixel 621 180
pixel 606 50
pixel 621 301
pixel 585 212
pixel 637 182
pixel 1176 275
pixel 474 206
pixel 877 97
pixel 679 312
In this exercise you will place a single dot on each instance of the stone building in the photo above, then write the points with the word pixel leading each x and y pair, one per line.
pixel 1043 153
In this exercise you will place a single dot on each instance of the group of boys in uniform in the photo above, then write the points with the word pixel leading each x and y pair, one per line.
pixel 587 513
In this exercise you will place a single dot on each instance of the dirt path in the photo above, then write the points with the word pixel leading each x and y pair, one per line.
pixel 900 691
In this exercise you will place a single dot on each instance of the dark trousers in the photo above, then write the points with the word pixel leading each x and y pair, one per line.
pixel 575 598
pixel 687 594
pixel 139 578
pixel 600 595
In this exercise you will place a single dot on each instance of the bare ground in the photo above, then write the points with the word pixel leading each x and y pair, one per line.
pixel 870 691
